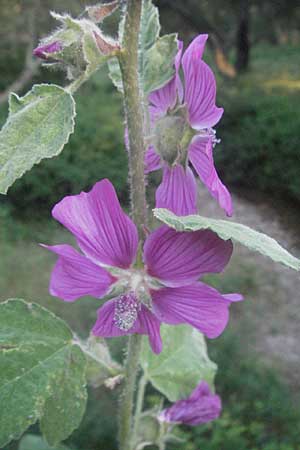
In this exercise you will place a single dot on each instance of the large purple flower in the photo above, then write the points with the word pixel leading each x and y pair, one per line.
pixel 181 121
pixel 200 407
pixel 166 289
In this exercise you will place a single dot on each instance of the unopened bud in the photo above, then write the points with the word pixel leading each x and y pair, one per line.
pixel 44 51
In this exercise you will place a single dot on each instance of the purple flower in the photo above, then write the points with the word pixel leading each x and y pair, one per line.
pixel 182 121
pixel 166 289
pixel 200 407
pixel 42 51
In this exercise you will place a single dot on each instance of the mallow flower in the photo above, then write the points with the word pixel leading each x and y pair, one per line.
pixel 158 284
pixel 181 118
pixel 200 407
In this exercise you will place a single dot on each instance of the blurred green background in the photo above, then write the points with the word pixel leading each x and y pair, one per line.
pixel 254 49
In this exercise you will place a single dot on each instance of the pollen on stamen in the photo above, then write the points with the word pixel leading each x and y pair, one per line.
pixel 126 311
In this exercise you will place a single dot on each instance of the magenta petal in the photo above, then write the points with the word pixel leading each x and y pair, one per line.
pixel 197 304
pixel 201 156
pixel 200 87
pixel 75 276
pixel 179 258
pixel 177 191
pixel 201 407
pixel 152 160
pixel 146 324
pixel 103 232
pixel 165 98
pixel 233 297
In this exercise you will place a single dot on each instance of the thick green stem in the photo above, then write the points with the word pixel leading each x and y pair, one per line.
pixel 134 117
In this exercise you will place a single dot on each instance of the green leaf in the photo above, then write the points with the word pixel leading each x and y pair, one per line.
pixel 150 26
pixel 42 373
pixel 181 365
pixel 231 230
pixel 93 58
pixel 34 442
pixel 158 63
pixel 38 126
pixel 101 368
pixel 156 55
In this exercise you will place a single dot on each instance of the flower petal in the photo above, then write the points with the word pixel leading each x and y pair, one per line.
pixel 152 160
pixel 201 156
pixel 201 407
pixel 180 258
pixel 103 232
pixel 75 276
pixel 200 87
pixel 197 304
pixel 165 98
pixel 177 191
pixel 146 324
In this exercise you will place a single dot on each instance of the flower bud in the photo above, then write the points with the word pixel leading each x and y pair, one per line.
pixel 44 51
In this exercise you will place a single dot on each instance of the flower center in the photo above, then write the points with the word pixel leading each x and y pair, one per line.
pixel 127 307
pixel 137 285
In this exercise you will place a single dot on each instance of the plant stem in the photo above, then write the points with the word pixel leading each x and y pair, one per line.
pixel 139 406
pixel 134 117
pixel 134 113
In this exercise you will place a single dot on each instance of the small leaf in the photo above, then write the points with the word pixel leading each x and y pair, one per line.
pixel 159 63
pixel 177 370
pixel 97 13
pixel 38 126
pixel 42 373
pixel 226 229
pixel 100 365
pixel 150 26
pixel 34 442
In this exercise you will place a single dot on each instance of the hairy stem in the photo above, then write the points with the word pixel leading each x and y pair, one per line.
pixel 134 117
pixel 139 405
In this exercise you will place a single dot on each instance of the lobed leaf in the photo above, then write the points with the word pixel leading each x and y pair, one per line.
pixel 42 373
pixel 38 126
pixel 181 365
pixel 226 229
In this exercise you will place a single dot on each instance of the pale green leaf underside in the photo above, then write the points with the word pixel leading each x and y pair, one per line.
pixel 38 126
pixel 181 365
pixel 34 442
pixel 42 373
pixel 226 229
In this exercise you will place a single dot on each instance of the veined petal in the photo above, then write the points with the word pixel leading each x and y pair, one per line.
pixel 75 276
pixel 165 98
pixel 200 87
pixel 152 160
pixel 197 304
pixel 201 156
pixel 146 324
pixel 179 258
pixel 177 191
pixel 103 232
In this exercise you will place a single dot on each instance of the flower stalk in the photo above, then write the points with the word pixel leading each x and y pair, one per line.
pixel 134 117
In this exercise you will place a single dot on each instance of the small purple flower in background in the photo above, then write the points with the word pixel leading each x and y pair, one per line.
pixel 200 407
pixel 42 51
pixel 166 289
pixel 181 121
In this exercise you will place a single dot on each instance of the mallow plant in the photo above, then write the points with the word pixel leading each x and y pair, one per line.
pixel 148 283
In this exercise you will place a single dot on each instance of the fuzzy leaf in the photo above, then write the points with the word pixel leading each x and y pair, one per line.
pixel 158 63
pixel 156 55
pixel 42 373
pixel 34 442
pixel 226 229
pixel 38 126
pixel 177 370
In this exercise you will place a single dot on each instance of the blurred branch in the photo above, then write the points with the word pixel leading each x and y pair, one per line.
pixel 31 65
